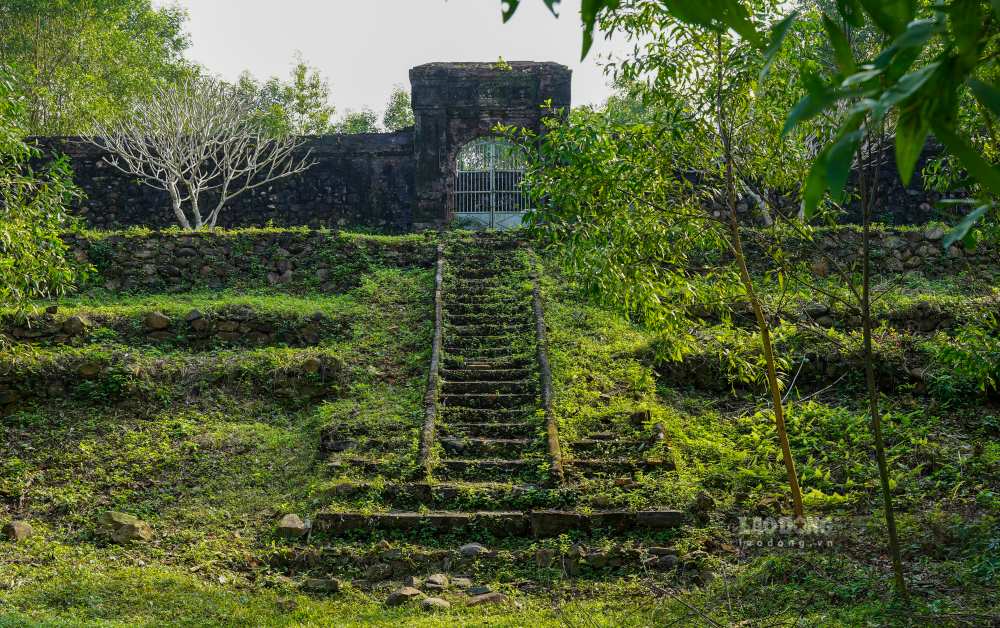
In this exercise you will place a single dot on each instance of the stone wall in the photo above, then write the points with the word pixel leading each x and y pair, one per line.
pixel 290 259
pixel 455 103
pixel 361 181
pixel 900 204
pixel 385 182
pixel 893 250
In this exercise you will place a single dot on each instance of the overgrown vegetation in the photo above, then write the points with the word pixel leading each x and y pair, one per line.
pixel 195 440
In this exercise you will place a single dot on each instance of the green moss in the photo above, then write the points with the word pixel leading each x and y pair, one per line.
pixel 196 442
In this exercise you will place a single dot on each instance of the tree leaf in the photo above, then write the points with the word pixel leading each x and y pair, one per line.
pixel 852 13
pixel 980 169
pixel 815 186
pixel 904 88
pixel 911 134
pixel 841 47
pixel 839 160
pixel 986 94
pixel 891 16
pixel 966 21
pixel 860 77
pixel 717 15
pixel 778 34
pixel 509 7
pixel 959 231
pixel 811 105
pixel 589 10
pixel 915 36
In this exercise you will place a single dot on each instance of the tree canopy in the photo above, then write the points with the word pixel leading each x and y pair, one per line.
pixel 34 214
pixel 76 61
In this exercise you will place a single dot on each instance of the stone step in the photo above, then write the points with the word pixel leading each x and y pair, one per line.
pixel 464 306
pixel 490 318
pixel 482 345
pixel 482 469
pixel 500 307
pixel 483 272
pixel 607 448
pixel 483 496
pixel 490 328
pixel 486 387
pixel 479 447
pixel 615 467
pixel 369 566
pixel 452 414
pixel 487 295
pixel 498 257
pixel 491 430
pixel 458 277
pixel 487 354
pixel 521 361
pixel 510 401
pixel 485 374
pixel 536 523
pixel 486 269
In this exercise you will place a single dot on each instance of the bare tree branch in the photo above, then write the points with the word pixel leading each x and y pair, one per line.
pixel 195 139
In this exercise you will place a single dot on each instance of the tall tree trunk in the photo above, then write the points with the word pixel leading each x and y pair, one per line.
pixel 177 206
pixel 736 241
pixel 867 200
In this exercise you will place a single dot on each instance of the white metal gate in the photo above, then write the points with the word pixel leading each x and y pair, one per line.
pixel 488 184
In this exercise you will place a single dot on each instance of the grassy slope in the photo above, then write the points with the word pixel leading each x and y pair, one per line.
pixel 212 471
pixel 943 448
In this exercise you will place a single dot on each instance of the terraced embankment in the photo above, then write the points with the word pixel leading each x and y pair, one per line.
pixel 491 467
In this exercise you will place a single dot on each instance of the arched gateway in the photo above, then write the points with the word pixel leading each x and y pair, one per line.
pixel 488 175
pixel 463 172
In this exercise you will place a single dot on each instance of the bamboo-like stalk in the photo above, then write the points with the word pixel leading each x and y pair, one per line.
pixel 427 435
pixel 736 242
pixel 867 200
pixel 545 374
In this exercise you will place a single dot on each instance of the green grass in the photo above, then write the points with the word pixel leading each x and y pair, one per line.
pixel 195 441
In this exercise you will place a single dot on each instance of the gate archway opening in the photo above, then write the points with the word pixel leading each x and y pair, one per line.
pixel 488 176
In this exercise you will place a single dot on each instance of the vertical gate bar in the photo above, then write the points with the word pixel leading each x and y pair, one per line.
pixel 493 184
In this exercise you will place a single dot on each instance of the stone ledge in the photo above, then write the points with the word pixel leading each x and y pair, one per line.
pixel 538 523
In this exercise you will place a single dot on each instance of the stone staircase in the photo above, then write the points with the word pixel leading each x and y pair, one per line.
pixel 490 462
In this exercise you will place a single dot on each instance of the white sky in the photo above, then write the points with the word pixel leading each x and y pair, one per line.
pixel 364 47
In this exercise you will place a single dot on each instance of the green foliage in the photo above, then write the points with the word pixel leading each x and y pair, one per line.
pixel 609 214
pixel 354 122
pixel 966 366
pixel 399 110
pixel 298 106
pixel 915 77
pixel 34 212
pixel 81 61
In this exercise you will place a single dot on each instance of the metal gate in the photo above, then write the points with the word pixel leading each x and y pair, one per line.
pixel 488 179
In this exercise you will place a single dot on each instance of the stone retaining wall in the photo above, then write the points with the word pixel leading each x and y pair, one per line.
pixel 296 259
pixel 893 250
pixel 241 325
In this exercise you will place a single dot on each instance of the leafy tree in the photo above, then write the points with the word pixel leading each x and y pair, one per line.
pixel 934 68
pixel 707 82
pixel 33 213
pixel 364 121
pixel 77 61
pixel 399 112
pixel 298 106
pixel 695 67
pixel 917 80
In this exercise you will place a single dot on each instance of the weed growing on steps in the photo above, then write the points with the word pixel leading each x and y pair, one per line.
pixel 213 471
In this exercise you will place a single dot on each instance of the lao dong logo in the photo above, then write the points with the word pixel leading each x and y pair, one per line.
pixel 790 532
